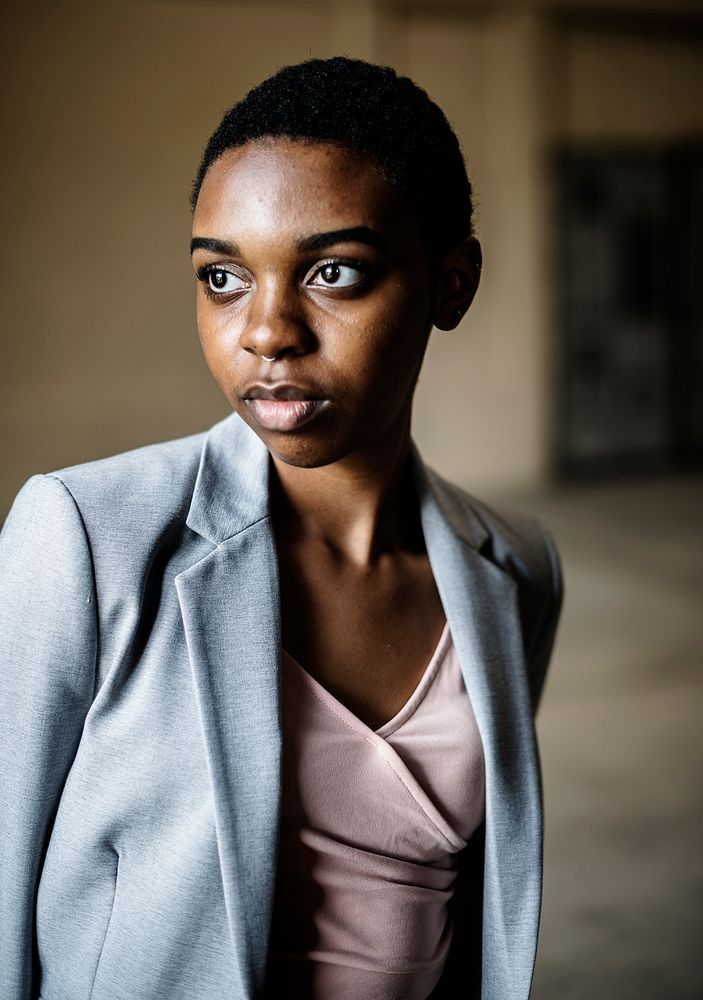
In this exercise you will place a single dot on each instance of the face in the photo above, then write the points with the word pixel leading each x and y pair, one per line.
pixel 305 254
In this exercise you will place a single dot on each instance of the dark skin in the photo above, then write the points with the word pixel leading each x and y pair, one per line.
pixel 347 323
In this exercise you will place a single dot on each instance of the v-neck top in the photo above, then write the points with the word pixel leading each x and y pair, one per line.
pixel 372 823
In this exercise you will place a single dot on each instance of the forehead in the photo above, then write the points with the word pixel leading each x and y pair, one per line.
pixel 301 186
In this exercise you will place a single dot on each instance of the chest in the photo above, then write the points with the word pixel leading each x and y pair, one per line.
pixel 366 635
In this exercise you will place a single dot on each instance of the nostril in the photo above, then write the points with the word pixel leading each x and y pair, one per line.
pixel 272 335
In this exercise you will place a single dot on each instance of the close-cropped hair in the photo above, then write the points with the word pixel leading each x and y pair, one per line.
pixel 373 111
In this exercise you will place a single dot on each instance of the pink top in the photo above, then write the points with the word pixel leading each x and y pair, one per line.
pixel 371 825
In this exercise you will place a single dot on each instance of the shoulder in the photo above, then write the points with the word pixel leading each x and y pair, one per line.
pixel 515 542
pixel 154 478
pixel 520 546
pixel 110 514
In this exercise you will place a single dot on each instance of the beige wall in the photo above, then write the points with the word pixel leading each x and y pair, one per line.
pixel 641 89
pixel 104 110
pixel 481 408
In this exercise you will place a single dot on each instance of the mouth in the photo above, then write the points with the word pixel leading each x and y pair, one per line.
pixel 283 406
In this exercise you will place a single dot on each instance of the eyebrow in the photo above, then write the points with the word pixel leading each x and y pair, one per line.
pixel 215 246
pixel 356 234
pixel 317 241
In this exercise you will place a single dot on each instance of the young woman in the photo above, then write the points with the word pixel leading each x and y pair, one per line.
pixel 268 692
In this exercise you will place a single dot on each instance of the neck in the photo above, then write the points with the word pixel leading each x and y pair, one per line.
pixel 360 507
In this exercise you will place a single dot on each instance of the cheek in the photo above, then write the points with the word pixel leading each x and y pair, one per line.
pixel 383 346
pixel 218 339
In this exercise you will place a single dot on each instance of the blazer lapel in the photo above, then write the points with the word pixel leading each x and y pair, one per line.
pixel 480 601
pixel 230 608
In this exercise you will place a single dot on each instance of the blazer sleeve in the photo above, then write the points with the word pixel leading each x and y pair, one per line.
pixel 48 649
pixel 540 650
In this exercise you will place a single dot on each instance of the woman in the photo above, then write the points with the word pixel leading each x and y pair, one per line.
pixel 268 691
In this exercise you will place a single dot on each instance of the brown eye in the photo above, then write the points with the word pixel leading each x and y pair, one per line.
pixel 336 275
pixel 222 282
pixel 330 273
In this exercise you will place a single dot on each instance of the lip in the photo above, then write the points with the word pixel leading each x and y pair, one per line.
pixel 281 390
pixel 283 406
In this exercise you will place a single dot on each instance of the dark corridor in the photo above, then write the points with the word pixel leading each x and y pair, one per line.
pixel 629 312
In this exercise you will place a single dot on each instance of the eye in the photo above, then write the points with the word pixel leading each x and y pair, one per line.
pixel 219 281
pixel 335 274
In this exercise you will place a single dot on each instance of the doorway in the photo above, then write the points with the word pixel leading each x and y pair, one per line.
pixel 629 311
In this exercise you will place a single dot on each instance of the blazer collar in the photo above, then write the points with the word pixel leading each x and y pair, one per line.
pixel 232 487
pixel 440 503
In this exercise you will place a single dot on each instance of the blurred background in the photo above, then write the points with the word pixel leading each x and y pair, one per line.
pixel 573 387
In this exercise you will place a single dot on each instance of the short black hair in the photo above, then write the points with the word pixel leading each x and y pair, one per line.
pixel 373 111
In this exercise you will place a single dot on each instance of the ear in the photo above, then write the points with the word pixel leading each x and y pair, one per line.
pixel 458 276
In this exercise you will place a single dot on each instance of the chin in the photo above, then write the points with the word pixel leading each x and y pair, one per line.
pixel 304 454
pixel 317 445
pixel 303 449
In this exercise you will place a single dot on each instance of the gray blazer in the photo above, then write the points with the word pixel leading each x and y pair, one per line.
pixel 140 739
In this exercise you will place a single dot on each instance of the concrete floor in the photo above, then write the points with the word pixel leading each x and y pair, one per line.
pixel 620 734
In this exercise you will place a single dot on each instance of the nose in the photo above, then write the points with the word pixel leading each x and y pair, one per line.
pixel 275 325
